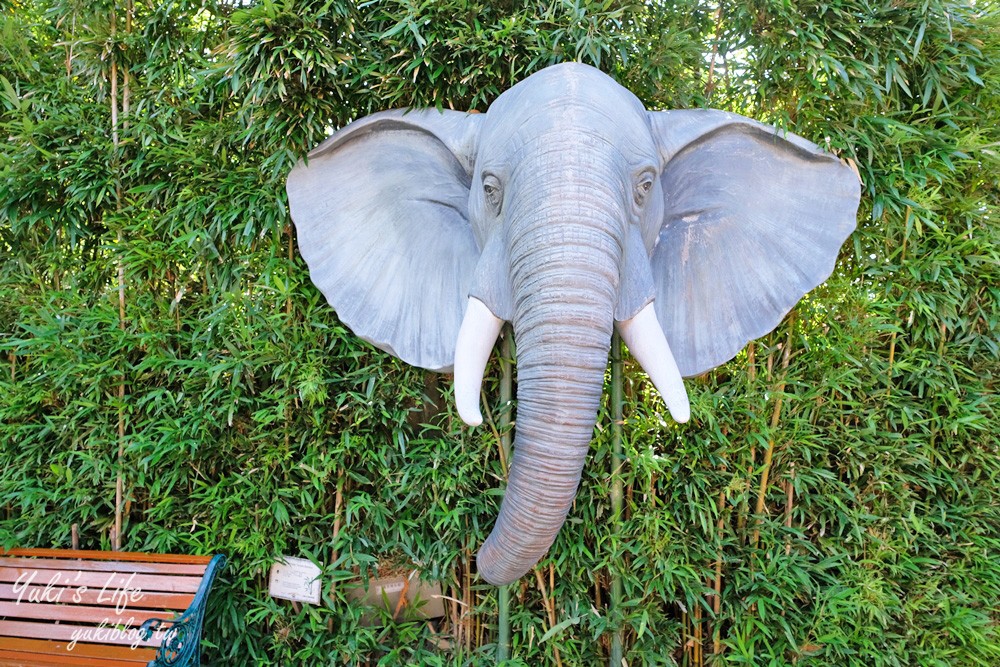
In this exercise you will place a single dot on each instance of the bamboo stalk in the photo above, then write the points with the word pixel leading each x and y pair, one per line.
pixel 775 417
pixel 116 539
pixel 627 509
pixel 126 76
pixel 490 422
pixel 334 555
pixel 114 85
pixel 789 502
pixel 338 505
pixel 291 262
pixel 550 611
pixel 480 628
pixel 69 51
pixel 744 504
pixel 477 620
pixel 616 653
pixel 709 84
pixel 686 647
pixel 741 519
pixel 696 622
pixel 467 598
pixel 892 358
pixel 456 627
pixel 115 141
pixel 717 599
pixel 506 394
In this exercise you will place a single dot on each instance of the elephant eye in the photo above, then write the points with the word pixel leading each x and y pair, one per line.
pixel 643 187
pixel 493 192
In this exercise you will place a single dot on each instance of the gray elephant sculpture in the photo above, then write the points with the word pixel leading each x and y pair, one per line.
pixel 567 209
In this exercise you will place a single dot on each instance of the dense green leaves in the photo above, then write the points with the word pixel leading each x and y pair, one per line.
pixel 845 504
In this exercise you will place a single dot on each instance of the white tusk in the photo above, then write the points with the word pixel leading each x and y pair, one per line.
pixel 644 337
pixel 476 337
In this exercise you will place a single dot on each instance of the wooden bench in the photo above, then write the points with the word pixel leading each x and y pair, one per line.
pixel 101 608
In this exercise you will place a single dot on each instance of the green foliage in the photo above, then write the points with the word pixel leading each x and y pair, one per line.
pixel 839 481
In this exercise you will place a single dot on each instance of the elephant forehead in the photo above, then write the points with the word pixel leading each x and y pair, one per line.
pixel 590 134
pixel 573 81
pixel 570 97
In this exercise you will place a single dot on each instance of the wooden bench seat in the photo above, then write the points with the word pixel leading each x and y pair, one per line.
pixel 102 609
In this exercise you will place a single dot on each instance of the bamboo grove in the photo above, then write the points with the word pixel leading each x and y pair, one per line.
pixel 171 380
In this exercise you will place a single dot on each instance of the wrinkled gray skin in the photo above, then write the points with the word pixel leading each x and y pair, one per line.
pixel 565 208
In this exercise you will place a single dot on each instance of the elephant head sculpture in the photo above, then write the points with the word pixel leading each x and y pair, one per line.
pixel 567 209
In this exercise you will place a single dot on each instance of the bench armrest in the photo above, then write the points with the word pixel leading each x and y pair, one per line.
pixel 181 644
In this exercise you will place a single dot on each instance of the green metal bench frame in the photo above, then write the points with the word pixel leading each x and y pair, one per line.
pixel 182 643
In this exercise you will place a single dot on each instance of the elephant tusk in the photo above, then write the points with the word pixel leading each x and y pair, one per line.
pixel 644 337
pixel 476 337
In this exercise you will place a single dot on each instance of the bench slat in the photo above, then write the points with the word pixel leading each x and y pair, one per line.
pixel 51 599
pixel 80 614
pixel 11 659
pixel 105 566
pixel 111 581
pixel 17 659
pixel 130 556
pixel 66 632
pixel 73 595
pixel 43 647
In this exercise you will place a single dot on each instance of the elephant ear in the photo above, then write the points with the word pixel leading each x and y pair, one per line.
pixel 753 218
pixel 381 212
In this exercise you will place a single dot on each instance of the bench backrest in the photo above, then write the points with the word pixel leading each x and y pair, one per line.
pixel 90 604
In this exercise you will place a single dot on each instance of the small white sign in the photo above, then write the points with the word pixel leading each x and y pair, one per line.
pixel 295 579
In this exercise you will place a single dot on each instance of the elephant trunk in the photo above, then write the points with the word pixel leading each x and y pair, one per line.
pixel 565 260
